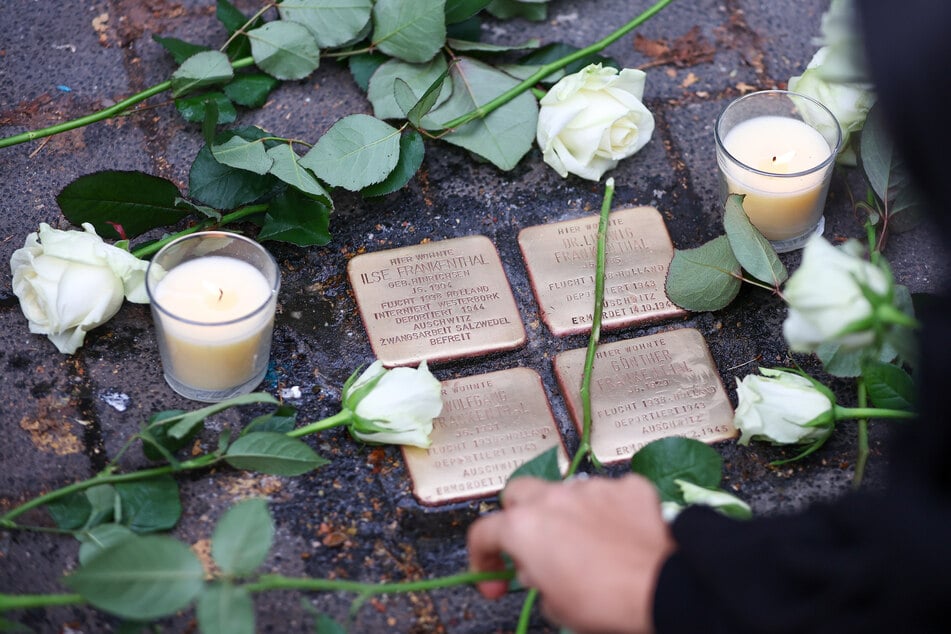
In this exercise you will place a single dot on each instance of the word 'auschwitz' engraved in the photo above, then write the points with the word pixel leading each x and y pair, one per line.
pixel 436 301
pixel 648 388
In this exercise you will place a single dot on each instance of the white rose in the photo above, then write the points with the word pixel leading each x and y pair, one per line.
pixel 848 101
pixel 591 119
pixel 777 405
pixel 394 406
pixel 826 299
pixel 69 282
pixel 837 74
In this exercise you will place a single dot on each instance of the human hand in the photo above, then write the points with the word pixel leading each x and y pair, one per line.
pixel 593 548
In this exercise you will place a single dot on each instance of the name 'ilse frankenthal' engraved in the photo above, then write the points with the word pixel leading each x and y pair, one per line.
pixel 436 301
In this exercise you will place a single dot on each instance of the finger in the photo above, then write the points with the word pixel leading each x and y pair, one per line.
pixel 484 542
pixel 521 490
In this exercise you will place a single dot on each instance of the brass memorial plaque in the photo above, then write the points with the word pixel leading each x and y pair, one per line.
pixel 646 388
pixel 490 424
pixel 436 301
pixel 561 257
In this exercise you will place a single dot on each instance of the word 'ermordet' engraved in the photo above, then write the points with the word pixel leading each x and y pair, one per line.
pixel 561 257
pixel 436 301
pixel 490 425
pixel 647 388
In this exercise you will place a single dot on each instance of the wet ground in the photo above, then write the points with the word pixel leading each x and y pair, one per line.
pixel 64 417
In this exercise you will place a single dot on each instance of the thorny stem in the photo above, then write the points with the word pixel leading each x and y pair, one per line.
pixel 862 456
pixel 280 582
pixel 584 447
pixel 336 420
pixel 366 589
pixel 105 113
pixel 481 111
pixel 6 520
pixel 235 215
pixel 548 69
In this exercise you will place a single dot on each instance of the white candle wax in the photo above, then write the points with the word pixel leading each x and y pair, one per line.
pixel 216 343
pixel 781 207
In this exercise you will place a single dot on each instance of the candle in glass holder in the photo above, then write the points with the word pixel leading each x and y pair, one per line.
pixel 213 300
pixel 778 149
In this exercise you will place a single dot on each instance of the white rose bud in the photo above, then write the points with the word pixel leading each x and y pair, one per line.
pixel 394 406
pixel 69 282
pixel 826 299
pixel 777 406
pixel 592 119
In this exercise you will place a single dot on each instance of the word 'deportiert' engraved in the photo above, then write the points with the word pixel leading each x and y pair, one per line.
pixel 561 258
pixel 490 424
pixel 647 388
pixel 436 301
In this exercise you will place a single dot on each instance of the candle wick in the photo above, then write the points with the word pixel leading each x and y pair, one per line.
pixel 774 159
pixel 221 293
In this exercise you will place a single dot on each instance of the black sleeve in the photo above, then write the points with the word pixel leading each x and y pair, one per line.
pixel 869 562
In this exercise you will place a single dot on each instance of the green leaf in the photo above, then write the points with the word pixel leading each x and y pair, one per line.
pixel 149 505
pixel 412 31
pixel 432 96
pixel 243 537
pixel 704 278
pixel 201 69
pixel 889 386
pixel 180 49
pixel 281 421
pixel 242 154
pixel 544 466
pixel 140 578
pixel 418 77
pixel 506 134
pixel 224 187
pixel 461 10
pixel 298 219
pixel 752 250
pixel 331 22
pixel 234 20
pixel 357 151
pixel 886 172
pixel 362 67
pixel 224 608
pixel 285 50
pixel 528 9
pixel 676 458
pixel 412 150
pixel 326 625
pixel 135 200
pixel 286 166
pixel 271 453
pixel 70 512
pixel 194 108
pixel 103 505
pixel 469 30
pixel 156 443
pixel 251 90
pixel 181 426
pixel 100 538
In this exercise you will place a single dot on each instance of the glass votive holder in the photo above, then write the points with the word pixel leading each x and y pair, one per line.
pixel 778 148
pixel 213 296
